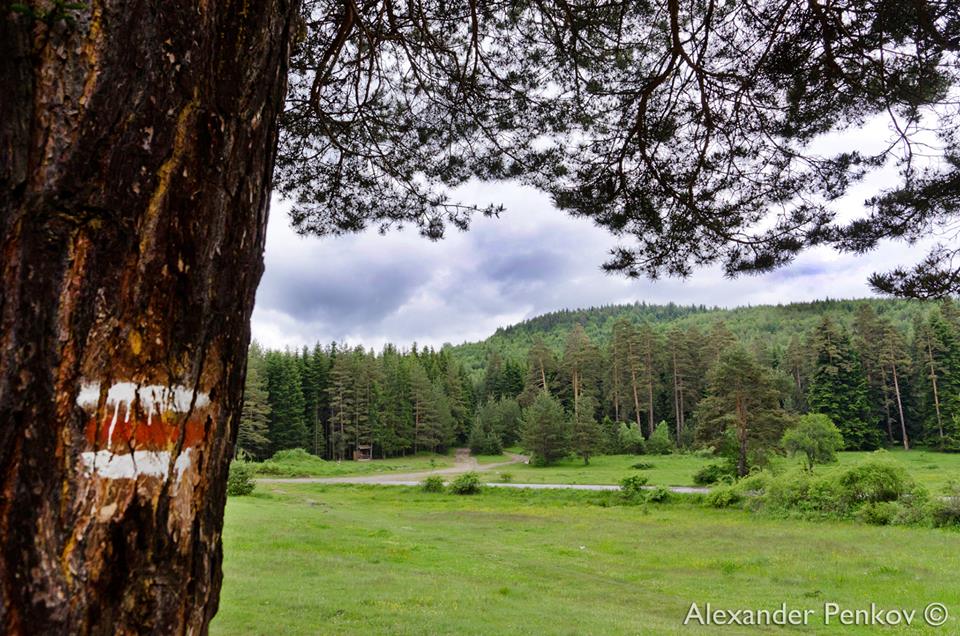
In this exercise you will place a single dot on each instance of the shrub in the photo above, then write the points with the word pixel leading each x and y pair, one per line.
pixel 875 480
pixel 712 473
pixel 293 462
pixel 632 487
pixel 642 466
pixel 880 513
pixel 630 439
pixel 433 483
pixel 815 437
pixel 705 453
pixel 946 511
pixel 876 492
pixel 660 442
pixel 291 455
pixel 660 494
pixel 466 484
pixel 723 497
pixel 506 477
pixel 240 479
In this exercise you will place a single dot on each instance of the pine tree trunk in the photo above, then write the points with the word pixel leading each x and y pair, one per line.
pixel 676 394
pixel 741 439
pixel 136 148
pixel 885 388
pixel 636 398
pixel 903 422
pixel 936 397
pixel 650 406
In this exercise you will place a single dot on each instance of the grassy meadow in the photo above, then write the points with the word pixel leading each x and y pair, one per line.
pixel 301 464
pixel 932 470
pixel 340 559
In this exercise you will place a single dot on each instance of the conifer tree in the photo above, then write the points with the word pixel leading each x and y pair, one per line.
pixel 541 372
pixel 741 413
pixel 618 376
pixel 647 351
pixel 426 418
pixel 838 387
pixel 484 438
pixel 586 435
pixel 459 408
pixel 546 430
pixel 321 371
pixel 342 404
pixel 797 364
pixel 581 362
pixel 253 433
pixel 719 339
pixel 287 429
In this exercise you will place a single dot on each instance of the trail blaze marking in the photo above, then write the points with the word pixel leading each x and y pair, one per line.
pixel 141 429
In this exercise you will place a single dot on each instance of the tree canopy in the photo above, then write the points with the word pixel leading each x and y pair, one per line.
pixel 696 129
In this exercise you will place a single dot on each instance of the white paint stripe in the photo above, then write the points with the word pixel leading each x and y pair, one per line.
pixel 113 424
pixel 111 465
pixel 152 396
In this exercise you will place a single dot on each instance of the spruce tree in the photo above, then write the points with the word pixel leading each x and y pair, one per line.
pixel 838 387
pixel 287 429
pixel 586 438
pixel 546 430
pixel 484 439
pixel 254 429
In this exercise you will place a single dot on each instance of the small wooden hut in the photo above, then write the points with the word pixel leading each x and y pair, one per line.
pixel 363 453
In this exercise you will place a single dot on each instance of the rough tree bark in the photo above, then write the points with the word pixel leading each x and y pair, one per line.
pixel 137 142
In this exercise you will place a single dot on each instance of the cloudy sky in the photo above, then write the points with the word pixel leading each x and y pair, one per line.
pixel 369 289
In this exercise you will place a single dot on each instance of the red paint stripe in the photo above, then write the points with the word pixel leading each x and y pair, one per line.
pixel 139 435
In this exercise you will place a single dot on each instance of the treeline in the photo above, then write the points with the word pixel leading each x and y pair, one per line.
pixel 332 400
pixel 776 324
pixel 881 381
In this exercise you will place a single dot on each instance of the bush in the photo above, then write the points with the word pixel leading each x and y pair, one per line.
pixel 660 494
pixel 874 481
pixel 632 487
pixel 712 473
pixel 881 513
pixel 630 439
pixel 946 511
pixel 815 437
pixel 294 462
pixel 506 477
pixel 466 484
pixel 660 442
pixel 723 497
pixel 240 479
pixel 875 492
pixel 643 466
pixel 433 483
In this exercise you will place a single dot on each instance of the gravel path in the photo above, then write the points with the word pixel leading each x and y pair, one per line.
pixel 463 463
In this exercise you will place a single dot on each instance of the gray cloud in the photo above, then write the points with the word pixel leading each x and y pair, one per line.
pixel 369 289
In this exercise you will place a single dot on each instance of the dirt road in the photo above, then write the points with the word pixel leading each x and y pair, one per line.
pixel 463 462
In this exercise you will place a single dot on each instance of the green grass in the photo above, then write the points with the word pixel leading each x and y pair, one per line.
pixel 931 469
pixel 317 559
pixel 306 465
pixel 668 470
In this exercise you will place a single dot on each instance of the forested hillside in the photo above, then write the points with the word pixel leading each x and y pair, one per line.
pixel 614 379
pixel 775 324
